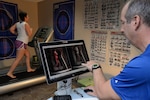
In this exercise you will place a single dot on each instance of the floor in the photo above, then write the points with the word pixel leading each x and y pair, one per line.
pixel 37 92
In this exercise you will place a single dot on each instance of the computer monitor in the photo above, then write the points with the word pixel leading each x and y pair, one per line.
pixel 62 61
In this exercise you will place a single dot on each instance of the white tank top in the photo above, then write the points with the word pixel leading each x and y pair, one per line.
pixel 22 34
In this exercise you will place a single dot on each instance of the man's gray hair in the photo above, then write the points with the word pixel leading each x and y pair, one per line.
pixel 140 8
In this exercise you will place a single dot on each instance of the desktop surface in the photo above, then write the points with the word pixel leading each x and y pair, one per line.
pixel 79 94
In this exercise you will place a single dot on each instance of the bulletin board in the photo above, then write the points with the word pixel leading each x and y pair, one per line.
pixel 8 16
pixel 91 14
pixel 119 49
pixel 110 48
pixel 108 45
pixel 102 14
pixel 110 11
pixel 98 45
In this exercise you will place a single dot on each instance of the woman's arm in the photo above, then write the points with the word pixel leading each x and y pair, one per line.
pixel 13 29
pixel 28 29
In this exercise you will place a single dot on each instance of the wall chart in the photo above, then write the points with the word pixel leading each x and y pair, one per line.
pixel 8 16
pixel 63 20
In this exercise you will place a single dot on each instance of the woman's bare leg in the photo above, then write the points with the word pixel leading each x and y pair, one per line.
pixel 27 54
pixel 20 54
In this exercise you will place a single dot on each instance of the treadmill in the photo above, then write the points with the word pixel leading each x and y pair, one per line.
pixel 25 79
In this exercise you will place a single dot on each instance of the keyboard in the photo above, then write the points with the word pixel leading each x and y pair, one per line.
pixel 62 97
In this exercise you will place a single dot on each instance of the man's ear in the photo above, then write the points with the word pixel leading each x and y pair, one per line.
pixel 136 22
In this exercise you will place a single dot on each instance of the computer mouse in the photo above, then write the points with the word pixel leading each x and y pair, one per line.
pixel 88 90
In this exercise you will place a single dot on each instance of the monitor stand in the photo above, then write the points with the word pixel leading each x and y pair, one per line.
pixel 65 88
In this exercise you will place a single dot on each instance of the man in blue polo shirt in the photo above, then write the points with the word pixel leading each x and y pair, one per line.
pixel 133 82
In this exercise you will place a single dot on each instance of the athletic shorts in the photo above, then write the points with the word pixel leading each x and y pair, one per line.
pixel 20 45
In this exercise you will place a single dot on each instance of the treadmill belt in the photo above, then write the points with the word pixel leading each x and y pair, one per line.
pixel 20 77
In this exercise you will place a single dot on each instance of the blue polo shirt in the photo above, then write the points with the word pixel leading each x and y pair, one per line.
pixel 133 82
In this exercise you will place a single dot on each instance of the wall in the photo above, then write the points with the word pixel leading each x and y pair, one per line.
pixel 41 14
pixel 45 15
pixel 46 18
pixel 45 12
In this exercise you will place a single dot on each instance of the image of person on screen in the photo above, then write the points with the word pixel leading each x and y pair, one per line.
pixel 133 82
pixel 82 54
pixel 23 31
pixel 78 56
pixel 59 60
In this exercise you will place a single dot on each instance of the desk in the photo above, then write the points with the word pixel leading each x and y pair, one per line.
pixel 76 96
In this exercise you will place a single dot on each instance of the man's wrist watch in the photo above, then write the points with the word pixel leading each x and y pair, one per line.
pixel 95 66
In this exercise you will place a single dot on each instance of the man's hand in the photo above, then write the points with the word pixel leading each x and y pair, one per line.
pixel 92 93
pixel 89 64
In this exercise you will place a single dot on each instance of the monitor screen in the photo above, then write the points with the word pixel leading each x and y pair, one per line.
pixel 62 59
